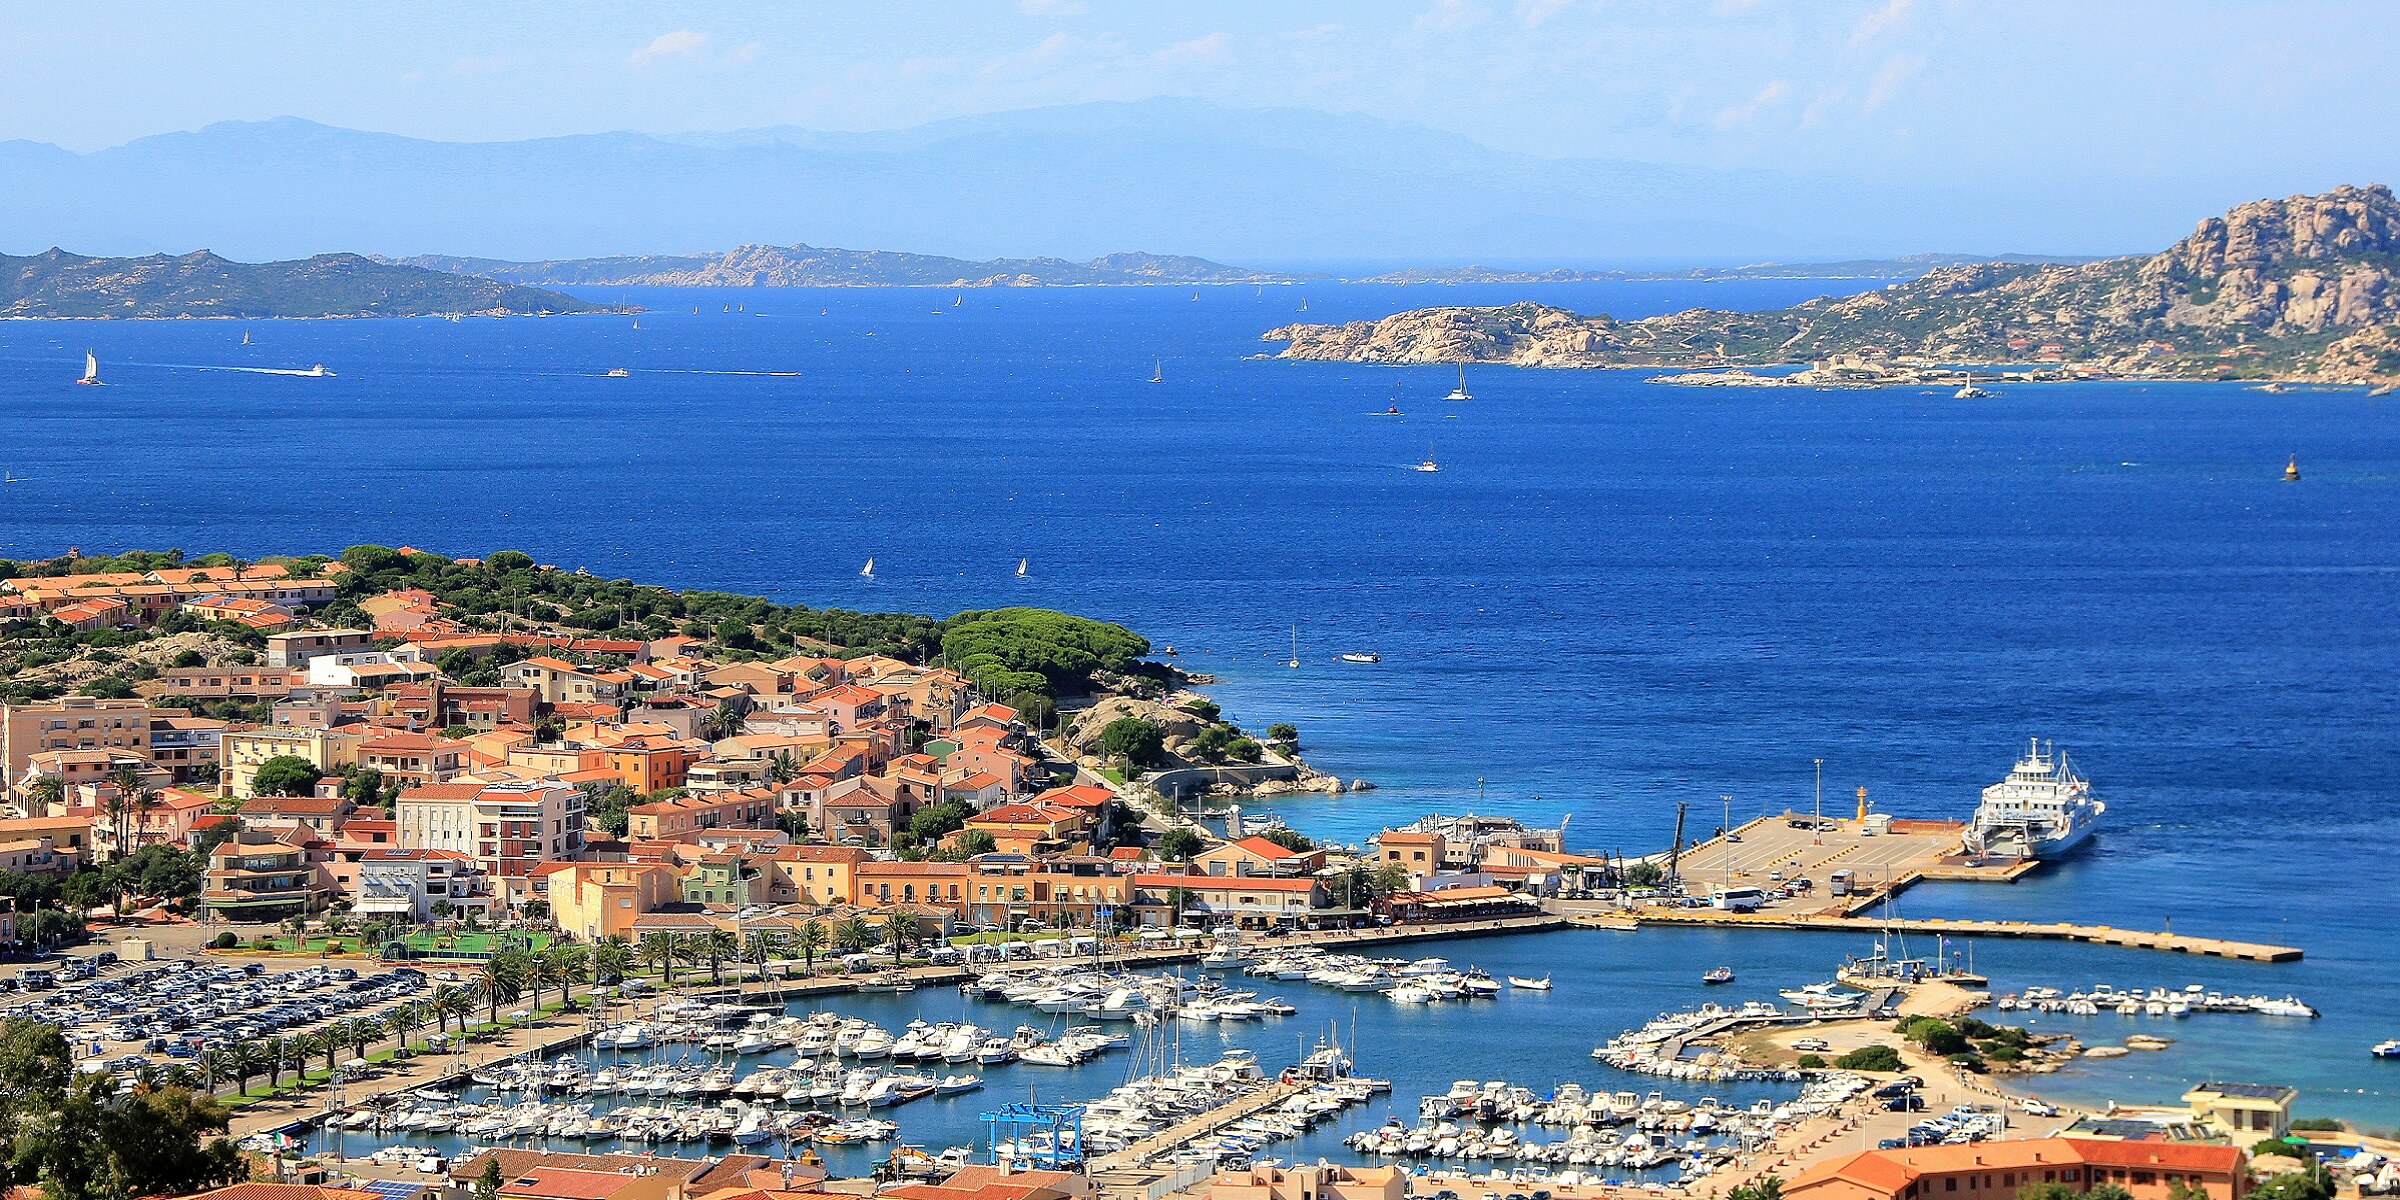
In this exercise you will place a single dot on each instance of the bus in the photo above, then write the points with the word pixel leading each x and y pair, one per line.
pixel 1738 899
pixel 1839 883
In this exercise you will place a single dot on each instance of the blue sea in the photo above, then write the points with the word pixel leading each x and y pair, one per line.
pixel 1614 596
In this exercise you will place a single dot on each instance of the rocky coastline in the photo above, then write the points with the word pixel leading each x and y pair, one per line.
pixel 2303 289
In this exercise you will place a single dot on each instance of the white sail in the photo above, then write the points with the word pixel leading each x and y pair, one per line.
pixel 868 570
pixel 91 368
pixel 1024 566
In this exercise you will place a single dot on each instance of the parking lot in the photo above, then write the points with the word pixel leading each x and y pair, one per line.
pixel 1777 852
pixel 122 1015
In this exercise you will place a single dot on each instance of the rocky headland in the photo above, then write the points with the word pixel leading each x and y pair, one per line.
pixel 2305 288
pixel 200 284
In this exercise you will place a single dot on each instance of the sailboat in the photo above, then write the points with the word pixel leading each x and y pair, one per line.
pixel 12 478
pixel 1158 370
pixel 1460 392
pixel 1429 465
pixel 958 299
pixel 1303 304
pixel 1970 391
pixel 637 322
pixel 867 571
pixel 245 337
pixel 1024 567
pixel 1294 661
pixel 91 370
pixel 2291 470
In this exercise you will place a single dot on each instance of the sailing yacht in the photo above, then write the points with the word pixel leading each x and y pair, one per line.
pixel 1158 370
pixel 1024 567
pixel 867 571
pixel 1970 391
pixel 1429 465
pixel 91 370
pixel 1294 661
pixel 1460 392
pixel 245 337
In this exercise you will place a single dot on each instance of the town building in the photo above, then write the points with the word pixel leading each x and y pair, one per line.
pixel 2002 1170
pixel 260 875
pixel 244 751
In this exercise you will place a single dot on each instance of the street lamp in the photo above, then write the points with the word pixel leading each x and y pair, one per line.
pixel 1817 830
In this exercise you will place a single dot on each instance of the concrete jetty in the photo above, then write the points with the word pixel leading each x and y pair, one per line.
pixel 2098 935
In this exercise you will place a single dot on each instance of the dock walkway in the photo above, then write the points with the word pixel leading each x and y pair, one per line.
pixel 1194 1128
pixel 2098 935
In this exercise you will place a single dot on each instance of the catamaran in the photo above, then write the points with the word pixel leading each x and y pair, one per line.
pixel 91 370
pixel 1460 392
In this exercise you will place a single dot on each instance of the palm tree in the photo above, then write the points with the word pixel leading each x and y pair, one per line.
pixel 562 965
pixel 121 805
pixel 455 1001
pixel 246 1063
pixel 363 1033
pixel 329 1040
pixel 855 935
pixel 610 957
pixel 811 939
pixel 759 947
pixel 900 929
pixel 216 1066
pixel 715 947
pixel 502 980
pixel 660 950
pixel 277 1050
pixel 782 767
pixel 407 1018
pixel 724 721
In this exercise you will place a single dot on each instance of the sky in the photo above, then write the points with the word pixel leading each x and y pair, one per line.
pixel 2276 97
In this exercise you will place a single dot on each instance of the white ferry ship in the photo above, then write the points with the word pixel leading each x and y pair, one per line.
pixel 2042 810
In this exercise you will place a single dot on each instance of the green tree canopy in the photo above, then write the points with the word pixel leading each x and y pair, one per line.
pixel 1180 843
pixel 1008 650
pixel 285 775
pixel 1133 740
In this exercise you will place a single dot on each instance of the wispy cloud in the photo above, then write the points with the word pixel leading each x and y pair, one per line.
pixel 1889 78
pixel 1314 33
pixel 1449 16
pixel 1209 49
pixel 1533 13
pixel 1737 115
pixel 1879 22
pixel 681 43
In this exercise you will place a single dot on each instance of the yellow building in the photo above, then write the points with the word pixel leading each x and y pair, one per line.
pixel 243 752
pixel 593 900
pixel 2243 1112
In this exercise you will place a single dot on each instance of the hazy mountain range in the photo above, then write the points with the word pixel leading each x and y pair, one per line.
pixel 811 266
pixel 1275 188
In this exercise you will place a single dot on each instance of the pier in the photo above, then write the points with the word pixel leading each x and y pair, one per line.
pixel 1824 922
pixel 1194 1128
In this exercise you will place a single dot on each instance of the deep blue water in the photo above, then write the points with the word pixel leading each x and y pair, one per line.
pixel 1614 595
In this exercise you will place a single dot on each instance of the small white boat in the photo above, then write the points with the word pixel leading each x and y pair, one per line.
pixel 1970 391
pixel 1531 985
pixel 1357 656
pixel 867 571
pixel 1024 567
pixel 1460 392
pixel 91 369
pixel 1158 371
pixel 1429 466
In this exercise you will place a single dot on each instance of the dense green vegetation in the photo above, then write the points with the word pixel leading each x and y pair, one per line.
pixel 1870 1058
pixel 75 1137
pixel 1007 650
pixel 1028 655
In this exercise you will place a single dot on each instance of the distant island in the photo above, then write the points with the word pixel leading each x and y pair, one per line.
pixel 813 266
pixel 57 284
pixel 2305 288
pixel 1907 266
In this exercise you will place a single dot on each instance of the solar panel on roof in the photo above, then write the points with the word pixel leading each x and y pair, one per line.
pixel 2252 1091
pixel 392 1189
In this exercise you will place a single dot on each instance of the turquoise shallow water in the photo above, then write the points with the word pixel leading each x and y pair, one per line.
pixel 1614 596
